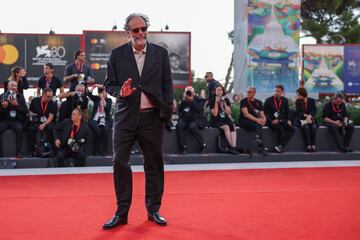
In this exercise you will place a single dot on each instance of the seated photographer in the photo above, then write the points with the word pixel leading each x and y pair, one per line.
pixel 49 80
pixel 72 139
pixel 13 112
pixel 252 117
pixel 305 110
pixel 336 118
pixel 220 109
pixel 76 99
pixel 42 118
pixel 100 122
pixel 276 110
pixel 189 108
pixel 78 72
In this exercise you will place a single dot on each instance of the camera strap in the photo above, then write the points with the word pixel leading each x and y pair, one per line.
pixel 277 106
pixel 72 133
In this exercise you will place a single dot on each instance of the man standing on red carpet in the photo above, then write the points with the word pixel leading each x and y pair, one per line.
pixel 139 77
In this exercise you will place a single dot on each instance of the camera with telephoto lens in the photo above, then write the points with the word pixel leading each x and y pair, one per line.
pixel 10 95
pixel 75 145
pixel 81 79
pixel 188 93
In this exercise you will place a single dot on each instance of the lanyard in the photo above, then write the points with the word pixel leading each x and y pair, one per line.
pixel 73 132
pixel 43 108
pixel 79 67
pixel 277 106
pixel 334 108
pixel 252 107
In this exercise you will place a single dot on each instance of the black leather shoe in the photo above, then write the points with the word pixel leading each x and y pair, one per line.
pixel 157 218
pixel 115 221
pixel 18 155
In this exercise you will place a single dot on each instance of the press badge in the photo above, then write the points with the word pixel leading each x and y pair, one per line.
pixel 222 115
pixel 187 109
pixel 12 113
pixel 256 111
pixel 70 141
pixel 276 114
pixel 43 119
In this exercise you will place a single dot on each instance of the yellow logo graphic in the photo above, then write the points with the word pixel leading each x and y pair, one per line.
pixel 8 54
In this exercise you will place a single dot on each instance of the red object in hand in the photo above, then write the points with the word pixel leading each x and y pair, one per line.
pixel 126 89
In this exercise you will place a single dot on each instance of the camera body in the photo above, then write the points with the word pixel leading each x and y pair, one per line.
pixel 9 95
pixel 188 93
pixel 75 145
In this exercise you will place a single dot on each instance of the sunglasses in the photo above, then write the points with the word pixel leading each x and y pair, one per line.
pixel 137 30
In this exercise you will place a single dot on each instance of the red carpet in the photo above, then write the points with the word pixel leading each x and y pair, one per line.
pixel 311 204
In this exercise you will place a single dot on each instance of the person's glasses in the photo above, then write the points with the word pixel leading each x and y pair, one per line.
pixel 137 30
pixel 205 76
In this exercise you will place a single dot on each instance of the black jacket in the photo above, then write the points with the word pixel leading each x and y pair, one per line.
pixel 270 109
pixel 155 82
pixel 21 110
pixel 310 108
pixel 62 131
pixel 192 111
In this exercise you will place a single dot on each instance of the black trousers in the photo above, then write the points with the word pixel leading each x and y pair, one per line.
pixel 34 135
pixel 101 136
pixel 346 131
pixel 309 133
pixel 17 127
pixel 284 132
pixel 251 126
pixel 65 152
pixel 149 134
pixel 191 126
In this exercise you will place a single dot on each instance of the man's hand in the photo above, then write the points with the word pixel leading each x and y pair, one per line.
pixel 57 143
pixel 125 90
pixel 275 121
pixel 14 102
pixel 338 123
pixel 217 99
pixel 261 121
pixel 4 104
pixel 75 75
pixel 42 126
pixel 289 123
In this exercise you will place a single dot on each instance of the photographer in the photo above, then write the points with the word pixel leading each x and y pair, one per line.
pixel 73 136
pixel 42 118
pixel 305 118
pixel 49 81
pixel 276 110
pixel 75 99
pixel 101 122
pixel 78 72
pixel 13 112
pixel 189 110
pixel 252 117
pixel 336 118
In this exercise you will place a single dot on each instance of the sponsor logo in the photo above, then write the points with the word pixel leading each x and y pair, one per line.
pixel 8 54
